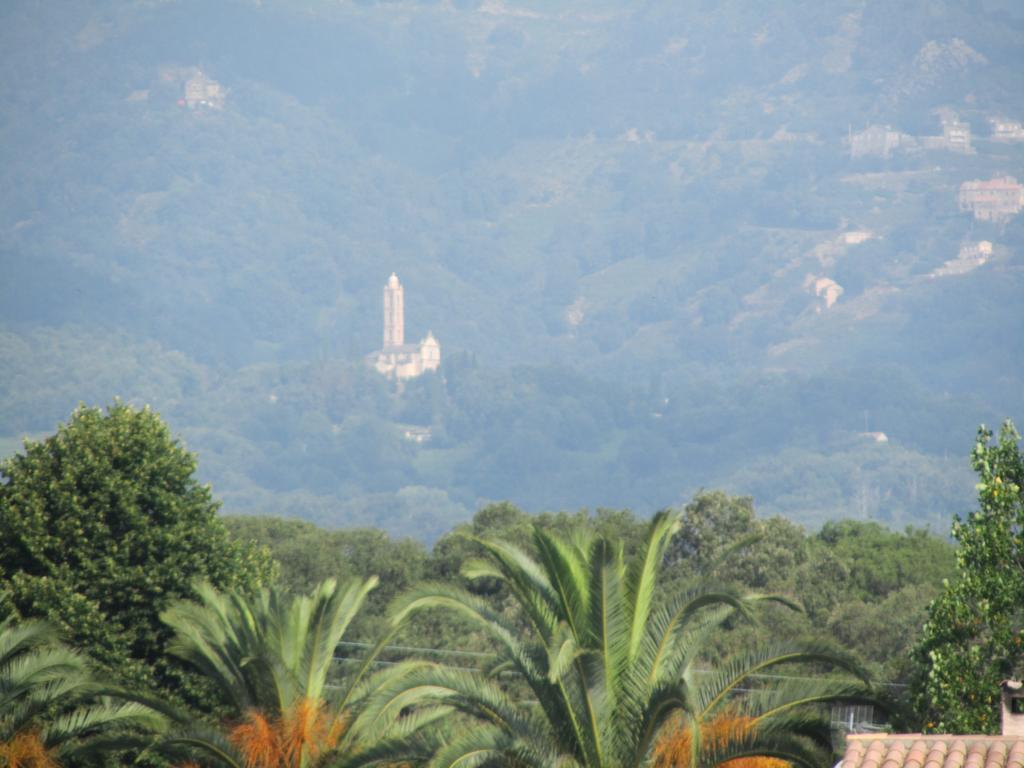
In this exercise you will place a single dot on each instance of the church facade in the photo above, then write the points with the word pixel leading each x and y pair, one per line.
pixel 396 359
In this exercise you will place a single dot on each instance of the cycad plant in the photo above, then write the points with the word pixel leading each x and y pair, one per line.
pixel 52 708
pixel 610 666
pixel 271 656
pixel 675 749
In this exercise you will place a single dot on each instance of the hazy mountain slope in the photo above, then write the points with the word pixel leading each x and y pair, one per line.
pixel 614 216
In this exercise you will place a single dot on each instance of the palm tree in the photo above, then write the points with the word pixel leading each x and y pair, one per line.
pixel 52 708
pixel 271 656
pixel 610 668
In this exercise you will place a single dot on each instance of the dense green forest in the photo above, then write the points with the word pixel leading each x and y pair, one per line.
pixel 852 577
pixel 612 215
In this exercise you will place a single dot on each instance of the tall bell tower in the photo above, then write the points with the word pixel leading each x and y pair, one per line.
pixel 394 313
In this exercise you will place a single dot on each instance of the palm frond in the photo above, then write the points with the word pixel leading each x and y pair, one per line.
pixel 86 721
pixel 608 635
pixel 772 701
pixel 50 702
pixel 332 613
pixel 677 632
pixel 463 690
pixel 714 688
pixel 217 635
pixel 567 571
pixel 469 606
pixel 200 742
pixel 489 746
pixel 528 582
pixel 643 574
pixel 609 672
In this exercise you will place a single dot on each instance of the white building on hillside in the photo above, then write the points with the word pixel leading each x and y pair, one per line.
pixel 396 359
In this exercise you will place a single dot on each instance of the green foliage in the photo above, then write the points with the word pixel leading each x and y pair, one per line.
pixel 883 561
pixel 265 650
pixel 722 536
pixel 974 637
pixel 50 699
pixel 104 526
pixel 272 657
pixel 847 573
pixel 307 555
pixel 885 631
pixel 608 664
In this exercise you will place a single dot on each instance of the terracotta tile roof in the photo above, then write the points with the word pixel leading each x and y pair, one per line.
pixel 1006 182
pixel 914 750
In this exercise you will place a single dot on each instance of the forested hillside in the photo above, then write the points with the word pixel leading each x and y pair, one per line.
pixel 648 240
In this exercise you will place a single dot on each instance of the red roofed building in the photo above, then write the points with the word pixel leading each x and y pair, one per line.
pixel 994 200
pixel 916 750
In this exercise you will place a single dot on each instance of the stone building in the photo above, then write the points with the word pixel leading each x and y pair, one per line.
pixel 875 141
pixel 957 136
pixel 202 91
pixel 396 359
pixel 826 289
pixel 971 256
pixel 998 199
pixel 1006 130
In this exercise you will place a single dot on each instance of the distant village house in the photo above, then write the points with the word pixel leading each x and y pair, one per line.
pixel 875 141
pixel 956 136
pixel 998 199
pixel 202 91
pixel 417 434
pixel 971 256
pixel 883 140
pixel 857 236
pixel 828 290
pixel 1006 130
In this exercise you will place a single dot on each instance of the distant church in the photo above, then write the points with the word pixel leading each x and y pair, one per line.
pixel 398 359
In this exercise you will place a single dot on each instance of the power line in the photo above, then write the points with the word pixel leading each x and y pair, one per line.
pixel 417 649
pixel 486 655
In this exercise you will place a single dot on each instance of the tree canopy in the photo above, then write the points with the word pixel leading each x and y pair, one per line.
pixel 52 707
pixel 273 657
pixel 104 525
pixel 610 665
pixel 974 637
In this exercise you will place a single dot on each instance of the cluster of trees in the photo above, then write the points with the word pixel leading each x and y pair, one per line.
pixel 861 584
pixel 974 637
pixel 133 618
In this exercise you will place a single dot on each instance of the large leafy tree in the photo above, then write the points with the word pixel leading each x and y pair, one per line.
pixel 606 666
pixel 52 709
pixel 974 637
pixel 104 525
pixel 272 656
